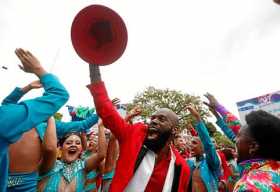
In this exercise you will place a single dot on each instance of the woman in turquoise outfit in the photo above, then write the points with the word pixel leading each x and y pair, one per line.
pixel 92 147
pixel 69 173
pixel 19 117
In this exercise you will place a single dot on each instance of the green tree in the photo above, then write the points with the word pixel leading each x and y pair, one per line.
pixel 222 141
pixel 151 99
pixel 211 128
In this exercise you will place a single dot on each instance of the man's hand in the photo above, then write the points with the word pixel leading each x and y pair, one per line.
pixel 30 64
pixel 94 73
pixel 194 112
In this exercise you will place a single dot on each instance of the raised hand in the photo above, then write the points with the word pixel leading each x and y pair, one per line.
pixel 30 64
pixel 116 101
pixel 135 111
pixel 212 100
pixel 94 73
pixel 212 109
pixel 194 112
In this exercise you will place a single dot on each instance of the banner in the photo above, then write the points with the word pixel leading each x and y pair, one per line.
pixel 269 102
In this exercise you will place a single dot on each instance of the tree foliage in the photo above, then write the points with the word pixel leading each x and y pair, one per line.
pixel 222 141
pixel 152 99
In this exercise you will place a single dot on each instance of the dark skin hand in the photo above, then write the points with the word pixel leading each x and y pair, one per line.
pixel 212 100
pixel 30 64
pixel 194 112
pixel 212 109
pixel 94 73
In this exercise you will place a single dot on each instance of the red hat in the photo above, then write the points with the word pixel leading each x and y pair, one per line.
pixel 99 35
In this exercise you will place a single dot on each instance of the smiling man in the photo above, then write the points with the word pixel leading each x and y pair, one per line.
pixel 147 161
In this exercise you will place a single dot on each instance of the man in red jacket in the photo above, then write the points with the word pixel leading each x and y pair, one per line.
pixel 147 161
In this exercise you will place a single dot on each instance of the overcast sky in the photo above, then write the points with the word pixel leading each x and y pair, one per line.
pixel 228 48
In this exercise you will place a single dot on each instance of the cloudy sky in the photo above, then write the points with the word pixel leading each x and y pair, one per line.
pixel 228 48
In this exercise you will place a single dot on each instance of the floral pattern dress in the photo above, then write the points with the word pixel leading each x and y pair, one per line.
pixel 259 175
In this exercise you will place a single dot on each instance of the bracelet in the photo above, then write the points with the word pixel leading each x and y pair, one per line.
pixel 30 87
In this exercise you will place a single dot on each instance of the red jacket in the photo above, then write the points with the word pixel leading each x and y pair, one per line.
pixel 131 138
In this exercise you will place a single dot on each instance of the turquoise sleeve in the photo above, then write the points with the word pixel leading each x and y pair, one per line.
pixel 76 126
pixel 209 148
pixel 62 128
pixel 13 97
pixel 21 117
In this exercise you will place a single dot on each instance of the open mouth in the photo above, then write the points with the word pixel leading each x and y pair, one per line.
pixel 72 150
pixel 153 133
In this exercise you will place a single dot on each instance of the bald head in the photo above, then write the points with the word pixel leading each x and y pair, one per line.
pixel 173 118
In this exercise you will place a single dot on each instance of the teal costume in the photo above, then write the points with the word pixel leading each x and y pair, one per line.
pixel 69 172
pixel 17 118
pixel 28 181
pixel 108 178
pixel 91 176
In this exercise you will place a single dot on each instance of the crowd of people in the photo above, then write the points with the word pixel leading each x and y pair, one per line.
pixel 39 153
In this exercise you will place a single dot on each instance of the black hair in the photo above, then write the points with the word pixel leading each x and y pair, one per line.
pixel 62 140
pixel 265 129
pixel 228 154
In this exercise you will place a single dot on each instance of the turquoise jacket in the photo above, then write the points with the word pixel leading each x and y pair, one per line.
pixel 17 118
pixel 209 167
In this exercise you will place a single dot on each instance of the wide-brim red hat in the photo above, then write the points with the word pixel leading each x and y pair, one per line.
pixel 99 35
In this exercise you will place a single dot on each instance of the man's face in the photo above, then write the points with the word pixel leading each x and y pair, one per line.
pixel 196 147
pixel 159 129
pixel 243 141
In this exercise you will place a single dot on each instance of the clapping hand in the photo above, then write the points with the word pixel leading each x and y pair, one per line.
pixel 30 64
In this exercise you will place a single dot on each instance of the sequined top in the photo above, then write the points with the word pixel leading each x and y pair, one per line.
pixel 69 172
pixel 259 175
